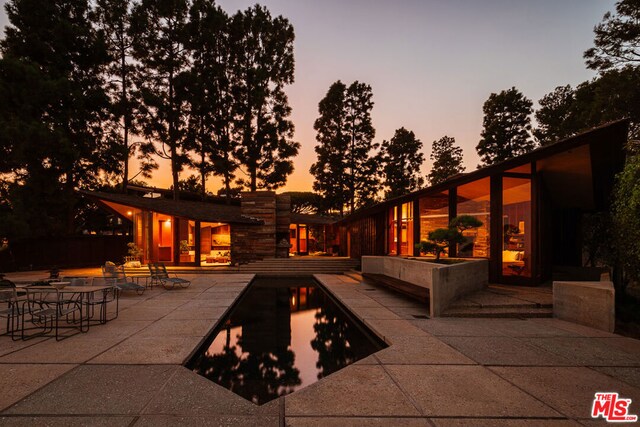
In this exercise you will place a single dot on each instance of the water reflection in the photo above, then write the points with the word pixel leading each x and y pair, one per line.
pixel 282 336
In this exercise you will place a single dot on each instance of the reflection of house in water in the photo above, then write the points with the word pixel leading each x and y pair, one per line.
pixel 266 317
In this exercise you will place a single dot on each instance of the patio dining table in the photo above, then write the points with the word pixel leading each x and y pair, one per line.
pixel 84 295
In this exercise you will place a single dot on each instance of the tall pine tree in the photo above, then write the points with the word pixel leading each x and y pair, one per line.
pixel 346 172
pixel 209 93
pixel 113 19
pixel 262 64
pixel 400 159
pixel 446 158
pixel 159 35
pixel 328 170
pixel 507 127
pixel 53 106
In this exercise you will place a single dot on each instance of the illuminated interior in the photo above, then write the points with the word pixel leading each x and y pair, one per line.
pixel 215 243
pixel 434 213
pixel 474 200
pixel 516 227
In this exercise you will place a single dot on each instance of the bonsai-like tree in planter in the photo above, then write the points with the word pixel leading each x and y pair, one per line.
pixel 440 239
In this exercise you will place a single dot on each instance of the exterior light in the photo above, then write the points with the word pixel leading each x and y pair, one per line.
pixel 129 213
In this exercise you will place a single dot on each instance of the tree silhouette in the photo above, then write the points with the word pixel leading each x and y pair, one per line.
pixel 346 172
pixel 506 127
pixel 617 38
pixel 446 158
pixel 209 94
pixel 400 160
pixel 614 95
pixel 557 116
pixel 53 103
pixel 262 64
pixel 113 18
pixel 159 36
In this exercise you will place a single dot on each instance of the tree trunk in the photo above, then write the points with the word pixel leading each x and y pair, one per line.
pixel 126 120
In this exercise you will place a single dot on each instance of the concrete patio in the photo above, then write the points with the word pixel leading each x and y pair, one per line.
pixel 436 372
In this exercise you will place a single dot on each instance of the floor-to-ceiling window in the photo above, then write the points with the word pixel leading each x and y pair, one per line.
pixel 392 231
pixel 516 227
pixel 474 199
pixel 434 213
pixel 406 230
pixel 165 238
pixel 215 243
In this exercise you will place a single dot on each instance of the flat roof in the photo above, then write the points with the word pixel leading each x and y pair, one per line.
pixel 198 211
pixel 617 129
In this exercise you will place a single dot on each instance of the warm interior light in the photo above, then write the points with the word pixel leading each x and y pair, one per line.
pixel 167 223
pixel 129 213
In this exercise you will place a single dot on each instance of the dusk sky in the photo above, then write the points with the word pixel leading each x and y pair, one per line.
pixel 431 64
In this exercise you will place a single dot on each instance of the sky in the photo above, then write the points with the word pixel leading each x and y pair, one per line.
pixel 431 63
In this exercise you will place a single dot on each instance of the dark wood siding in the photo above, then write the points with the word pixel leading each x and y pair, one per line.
pixel 367 236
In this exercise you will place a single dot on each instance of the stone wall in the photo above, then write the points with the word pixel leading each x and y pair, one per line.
pixel 283 221
pixel 254 242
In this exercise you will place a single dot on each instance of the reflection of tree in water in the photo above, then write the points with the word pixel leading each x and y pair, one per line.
pixel 331 341
pixel 259 377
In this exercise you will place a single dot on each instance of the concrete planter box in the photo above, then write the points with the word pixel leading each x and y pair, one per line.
pixel 587 303
pixel 446 283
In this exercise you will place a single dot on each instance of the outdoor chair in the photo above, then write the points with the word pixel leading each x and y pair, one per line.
pixel 160 276
pixel 47 308
pixel 14 309
pixel 116 276
pixel 102 300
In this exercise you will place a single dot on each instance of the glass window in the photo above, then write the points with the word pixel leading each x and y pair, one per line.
pixel 434 213
pixel 406 232
pixel 215 243
pixel 474 199
pixel 392 233
pixel 516 227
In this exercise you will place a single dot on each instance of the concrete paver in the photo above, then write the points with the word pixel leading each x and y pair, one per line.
pixel 466 391
pixel 569 390
pixel 504 351
pixel 103 389
pixel 18 381
pixel 357 422
pixel 357 390
pixel 584 351
pixel 438 372
pixel 187 393
pixel 48 421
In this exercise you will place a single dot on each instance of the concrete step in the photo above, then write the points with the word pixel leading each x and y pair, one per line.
pixel 498 312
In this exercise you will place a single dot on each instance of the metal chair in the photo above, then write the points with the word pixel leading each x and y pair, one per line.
pixel 47 307
pixel 14 309
pixel 102 300
pixel 159 275
pixel 116 276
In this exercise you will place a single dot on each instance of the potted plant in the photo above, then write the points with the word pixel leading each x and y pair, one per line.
pixel 134 251
pixel 184 246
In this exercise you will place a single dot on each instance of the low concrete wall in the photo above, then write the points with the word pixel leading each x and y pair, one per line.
pixel 445 282
pixel 587 303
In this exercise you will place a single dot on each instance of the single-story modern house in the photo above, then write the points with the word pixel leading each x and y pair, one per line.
pixel 208 233
pixel 531 208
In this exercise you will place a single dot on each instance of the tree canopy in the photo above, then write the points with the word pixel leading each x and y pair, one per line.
pixel 446 158
pixel 400 160
pixel 615 94
pixel 345 173
pixel 617 38
pixel 262 63
pixel 506 127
